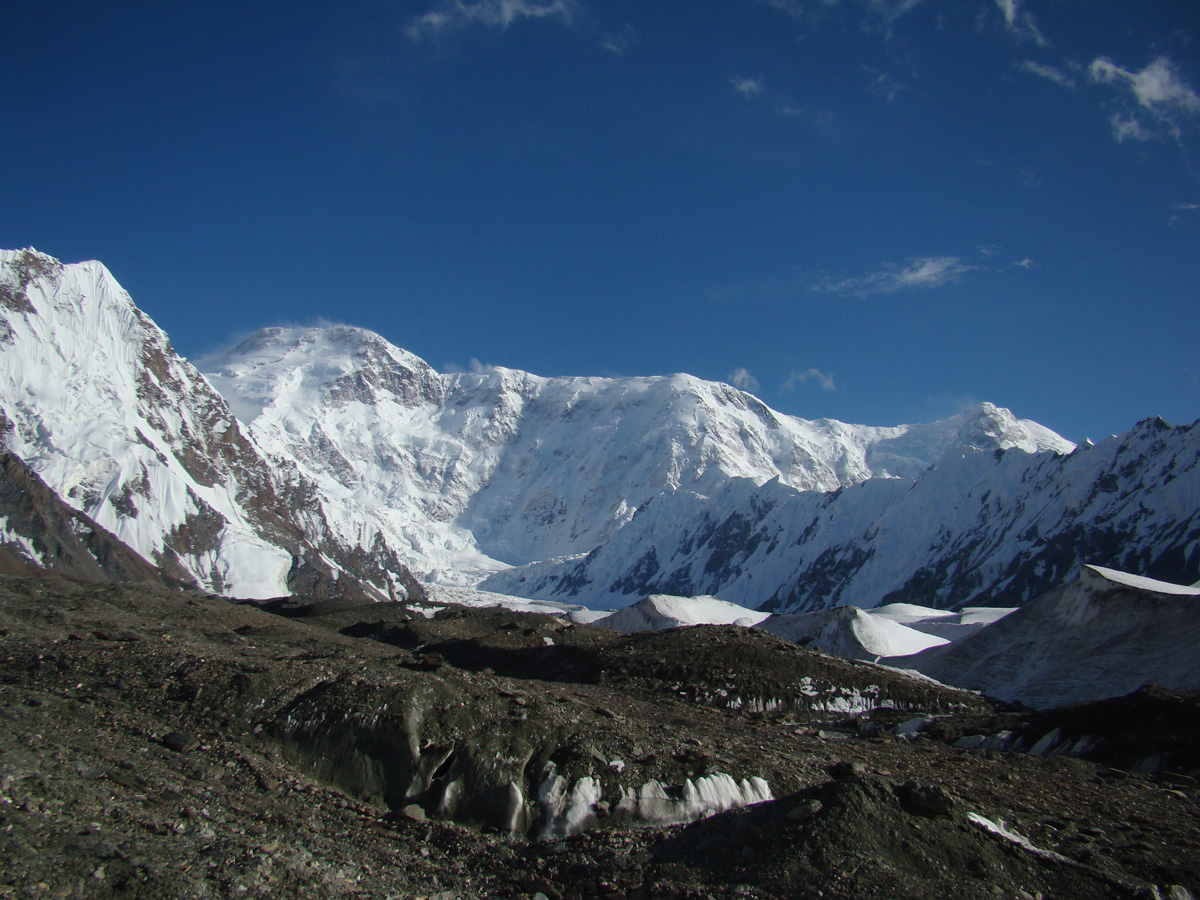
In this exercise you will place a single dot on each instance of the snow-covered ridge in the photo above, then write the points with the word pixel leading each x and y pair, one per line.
pixel 465 474
pixel 659 611
pixel 1099 578
pixel 978 528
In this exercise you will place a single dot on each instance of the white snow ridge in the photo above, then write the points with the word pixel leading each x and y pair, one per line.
pixel 658 612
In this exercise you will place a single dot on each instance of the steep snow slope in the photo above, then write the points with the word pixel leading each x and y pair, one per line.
pixel 101 407
pixel 999 529
pixel 1103 635
pixel 979 528
pixel 468 473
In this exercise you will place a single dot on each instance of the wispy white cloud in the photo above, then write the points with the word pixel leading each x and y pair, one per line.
pixel 621 41
pixel 1129 128
pixel 1050 73
pixel 795 379
pixel 453 15
pixel 1155 100
pixel 918 274
pixel 1021 24
pixel 742 380
pixel 747 87
pixel 1025 263
pixel 793 8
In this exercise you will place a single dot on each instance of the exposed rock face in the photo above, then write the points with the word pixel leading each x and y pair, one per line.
pixel 40 533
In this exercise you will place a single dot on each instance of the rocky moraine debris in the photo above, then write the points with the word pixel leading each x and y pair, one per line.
pixel 158 744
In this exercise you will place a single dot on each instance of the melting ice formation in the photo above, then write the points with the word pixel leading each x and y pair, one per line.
pixel 568 809
pixel 1002 830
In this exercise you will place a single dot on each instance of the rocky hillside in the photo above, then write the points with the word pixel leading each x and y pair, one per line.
pixel 39 533
pixel 1105 634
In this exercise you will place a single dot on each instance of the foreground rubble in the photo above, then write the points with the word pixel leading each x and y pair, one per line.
pixel 154 744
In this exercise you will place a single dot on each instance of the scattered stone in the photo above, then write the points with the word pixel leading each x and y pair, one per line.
pixel 432 661
pixel 847 769
pixel 928 801
pixel 180 741
pixel 77 776
pixel 803 810
pixel 833 735
pixel 532 884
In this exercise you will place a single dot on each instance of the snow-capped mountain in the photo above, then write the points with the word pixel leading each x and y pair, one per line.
pixel 466 474
pixel 98 404
pixel 330 451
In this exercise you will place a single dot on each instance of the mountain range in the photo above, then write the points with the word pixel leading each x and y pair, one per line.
pixel 329 462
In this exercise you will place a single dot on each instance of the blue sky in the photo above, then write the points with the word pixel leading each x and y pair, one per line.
pixel 873 210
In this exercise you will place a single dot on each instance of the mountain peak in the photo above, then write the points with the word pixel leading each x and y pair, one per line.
pixel 991 427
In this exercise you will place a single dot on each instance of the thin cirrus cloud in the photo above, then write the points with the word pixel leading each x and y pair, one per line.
pixel 884 86
pixel 1021 24
pixel 621 41
pixel 918 274
pixel 1155 100
pixel 1179 210
pixel 1050 73
pixel 796 379
pixel 454 15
